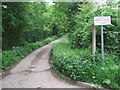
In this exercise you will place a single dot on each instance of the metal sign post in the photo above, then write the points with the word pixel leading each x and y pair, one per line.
pixel 102 44
pixel 102 20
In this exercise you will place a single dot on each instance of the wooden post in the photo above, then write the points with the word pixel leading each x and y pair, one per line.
pixel 94 42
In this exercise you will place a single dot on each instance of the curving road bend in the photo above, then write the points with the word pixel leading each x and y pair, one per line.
pixel 34 71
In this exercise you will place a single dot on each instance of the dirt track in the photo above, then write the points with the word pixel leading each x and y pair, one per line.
pixel 34 71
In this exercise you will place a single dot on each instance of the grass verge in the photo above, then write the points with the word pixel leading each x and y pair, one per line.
pixel 78 64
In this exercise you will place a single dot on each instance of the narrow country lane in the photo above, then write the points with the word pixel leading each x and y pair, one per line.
pixel 34 71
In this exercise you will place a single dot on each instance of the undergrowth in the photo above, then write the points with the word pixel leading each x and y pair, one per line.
pixel 78 64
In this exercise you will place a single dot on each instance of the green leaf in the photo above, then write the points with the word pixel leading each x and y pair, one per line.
pixel 107 81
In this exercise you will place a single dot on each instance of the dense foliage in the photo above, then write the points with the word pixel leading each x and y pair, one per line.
pixel 81 34
pixel 25 22
pixel 78 64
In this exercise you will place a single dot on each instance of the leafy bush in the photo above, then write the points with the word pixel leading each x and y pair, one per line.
pixel 10 57
pixel 78 64
pixel 81 34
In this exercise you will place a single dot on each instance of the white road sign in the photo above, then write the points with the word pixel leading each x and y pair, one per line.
pixel 102 20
